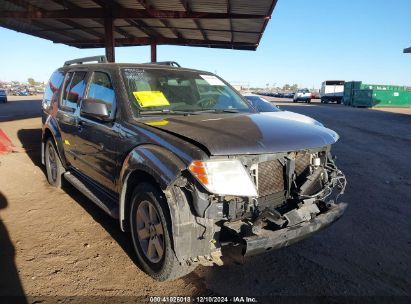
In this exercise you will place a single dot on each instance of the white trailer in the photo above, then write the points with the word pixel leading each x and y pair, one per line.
pixel 332 91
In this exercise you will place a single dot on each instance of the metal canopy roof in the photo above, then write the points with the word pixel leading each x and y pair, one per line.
pixel 234 24
pixel 407 50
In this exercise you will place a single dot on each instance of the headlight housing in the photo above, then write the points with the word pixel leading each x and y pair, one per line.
pixel 223 177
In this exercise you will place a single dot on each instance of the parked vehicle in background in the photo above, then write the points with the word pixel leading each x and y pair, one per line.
pixel 193 176
pixel 315 94
pixel 302 95
pixel 332 91
pixel 268 108
pixel 23 93
pixel 3 96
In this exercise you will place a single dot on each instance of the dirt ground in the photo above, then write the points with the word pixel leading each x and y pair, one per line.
pixel 58 243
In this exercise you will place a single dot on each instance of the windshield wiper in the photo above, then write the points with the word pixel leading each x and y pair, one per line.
pixel 165 112
pixel 178 112
pixel 215 111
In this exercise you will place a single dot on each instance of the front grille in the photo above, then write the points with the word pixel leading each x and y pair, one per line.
pixel 270 177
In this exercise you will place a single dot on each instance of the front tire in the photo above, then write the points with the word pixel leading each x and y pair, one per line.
pixel 54 167
pixel 151 234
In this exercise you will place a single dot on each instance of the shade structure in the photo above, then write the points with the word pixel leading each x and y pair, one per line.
pixel 233 24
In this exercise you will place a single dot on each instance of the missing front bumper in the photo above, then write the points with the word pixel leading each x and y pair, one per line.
pixel 267 240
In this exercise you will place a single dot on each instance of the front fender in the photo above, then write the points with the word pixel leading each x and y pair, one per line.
pixel 192 236
pixel 159 163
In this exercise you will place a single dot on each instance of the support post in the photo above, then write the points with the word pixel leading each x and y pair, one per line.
pixel 153 52
pixel 109 39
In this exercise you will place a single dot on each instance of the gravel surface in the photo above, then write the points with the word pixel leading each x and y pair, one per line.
pixel 58 243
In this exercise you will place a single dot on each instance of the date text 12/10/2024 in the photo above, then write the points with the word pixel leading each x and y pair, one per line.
pixel 202 299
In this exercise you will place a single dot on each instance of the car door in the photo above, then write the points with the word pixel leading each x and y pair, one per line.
pixel 97 140
pixel 72 94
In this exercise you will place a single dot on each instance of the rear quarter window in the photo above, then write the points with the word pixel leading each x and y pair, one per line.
pixel 74 90
pixel 53 87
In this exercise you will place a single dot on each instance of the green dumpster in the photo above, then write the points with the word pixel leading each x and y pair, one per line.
pixel 382 98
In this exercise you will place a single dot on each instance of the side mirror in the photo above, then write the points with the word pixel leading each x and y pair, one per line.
pixel 95 109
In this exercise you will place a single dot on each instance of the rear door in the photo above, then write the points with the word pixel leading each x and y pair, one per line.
pixel 73 91
pixel 97 141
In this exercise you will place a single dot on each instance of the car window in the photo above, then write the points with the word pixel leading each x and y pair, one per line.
pixel 179 90
pixel 101 88
pixel 261 104
pixel 74 89
pixel 53 86
pixel 334 82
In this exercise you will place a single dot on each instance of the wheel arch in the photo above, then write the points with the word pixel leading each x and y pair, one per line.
pixel 50 130
pixel 132 180
pixel 146 163
pixel 191 236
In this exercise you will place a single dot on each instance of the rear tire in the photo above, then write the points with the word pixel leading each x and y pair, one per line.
pixel 150 225
pixel 54 167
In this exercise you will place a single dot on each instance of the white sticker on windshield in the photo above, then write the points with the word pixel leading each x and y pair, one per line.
pixel 212 80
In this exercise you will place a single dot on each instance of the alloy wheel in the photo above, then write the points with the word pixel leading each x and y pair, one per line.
pixel 150 231
pixel 52 161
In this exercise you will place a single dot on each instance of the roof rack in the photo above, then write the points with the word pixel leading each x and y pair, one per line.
pixel 169 63
pixel 99 59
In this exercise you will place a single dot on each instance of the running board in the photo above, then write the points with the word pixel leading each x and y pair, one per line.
pixel 97 197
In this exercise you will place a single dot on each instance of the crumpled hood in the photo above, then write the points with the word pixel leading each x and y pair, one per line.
pixel 233 134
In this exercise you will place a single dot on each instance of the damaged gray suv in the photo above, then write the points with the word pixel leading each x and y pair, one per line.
pixel 186 164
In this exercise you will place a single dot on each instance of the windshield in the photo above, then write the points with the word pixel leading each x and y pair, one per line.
pixel 335 82
pixel 261 104
pixel 154 91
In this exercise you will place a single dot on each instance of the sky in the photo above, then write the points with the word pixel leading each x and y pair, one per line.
pixel 305 43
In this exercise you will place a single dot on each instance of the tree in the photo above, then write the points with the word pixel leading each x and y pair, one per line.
pixel 32 82
pixel 294 87
pixel 286 87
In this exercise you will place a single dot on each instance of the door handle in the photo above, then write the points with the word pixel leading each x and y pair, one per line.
pixel 80 125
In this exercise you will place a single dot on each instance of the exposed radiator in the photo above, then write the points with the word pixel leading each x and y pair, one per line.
pixel 302 163
pixel 270 177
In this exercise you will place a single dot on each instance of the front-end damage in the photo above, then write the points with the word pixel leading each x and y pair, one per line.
pixel 297 195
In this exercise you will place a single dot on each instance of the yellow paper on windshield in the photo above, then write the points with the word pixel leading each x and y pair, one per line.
pixel 151 99
pixel 157 123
